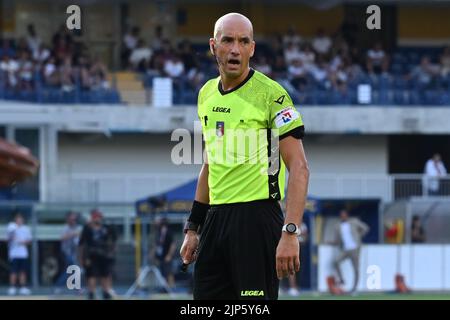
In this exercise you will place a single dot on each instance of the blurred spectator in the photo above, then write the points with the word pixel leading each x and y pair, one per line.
pixel 417 231
pixel 69 244
pixel 156 65
pixel 434 170
pixel 348 236
pixel 174 67
pixel 297 74
pixel 33 41
pixel 62 36
pixel 83 72
pixel 425 73
pixel 321 43
pixel 140 56
pixel 164 250
pixel 445 62
pixel 26 71
pixel 339 78
pixel 19 237
pixel 166 50
pixel 97 250
pixel 319 73
pixel 302 239
pixel 291 36
pixel 291 53
pixel 98 73
pixel 391 232
pixel 263 66
pixel 9 66
pixel 187 56
pixel 67 75
pixel 41 55
pixel 130 41
pixel 276 46
pixel 62 50
pixel 157 41
pixel 51 74
pixel 279 68
pixel 307 55
pixel 377 61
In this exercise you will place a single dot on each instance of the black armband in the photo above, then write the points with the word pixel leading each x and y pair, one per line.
pixel 198 213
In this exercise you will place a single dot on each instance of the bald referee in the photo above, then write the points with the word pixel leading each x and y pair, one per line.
pixel 248 121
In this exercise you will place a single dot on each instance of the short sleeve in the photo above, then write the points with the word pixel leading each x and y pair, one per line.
pixel 284 118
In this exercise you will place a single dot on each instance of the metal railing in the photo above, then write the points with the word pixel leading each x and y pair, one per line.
pixel 112 187
pixel 419 185
pixel 105 187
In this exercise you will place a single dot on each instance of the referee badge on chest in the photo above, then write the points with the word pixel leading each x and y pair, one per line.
pixel 220 128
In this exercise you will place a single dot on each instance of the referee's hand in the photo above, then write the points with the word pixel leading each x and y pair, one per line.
pixel 188 250
pixel 287 257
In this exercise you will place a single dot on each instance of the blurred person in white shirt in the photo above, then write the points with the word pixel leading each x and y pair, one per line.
pixel 174 67
pixel 41 55
pixel 377 60
pixel 291 52
pixel 140 56
pixel 70 237
pixel 321 43
pixel 26 71
pixel 292 36
pixel 130 41
pixel 434 170
pixel 348 237
pixel 32 39
pixel 19 237
pixel 307 55
pixel 297 74
pixel 10 67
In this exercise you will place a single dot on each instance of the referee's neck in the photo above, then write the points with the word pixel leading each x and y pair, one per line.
pixel 228 83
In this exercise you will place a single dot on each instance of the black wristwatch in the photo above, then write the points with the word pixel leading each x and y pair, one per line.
pixel 189 225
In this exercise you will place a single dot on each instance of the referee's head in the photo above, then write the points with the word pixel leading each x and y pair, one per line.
pixel 233 45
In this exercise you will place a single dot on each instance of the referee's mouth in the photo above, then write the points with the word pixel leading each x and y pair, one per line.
pixel 234 62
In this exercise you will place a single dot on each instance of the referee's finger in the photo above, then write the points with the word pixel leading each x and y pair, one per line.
pixel 279 267
pixel 297 264
pixel 290 264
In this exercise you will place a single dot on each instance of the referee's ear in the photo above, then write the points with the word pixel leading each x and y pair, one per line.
pixel 212 46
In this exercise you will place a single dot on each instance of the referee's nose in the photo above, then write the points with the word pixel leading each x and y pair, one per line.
pixel 235 49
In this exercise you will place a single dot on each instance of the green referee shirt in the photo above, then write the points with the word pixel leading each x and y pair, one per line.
pixel 241 128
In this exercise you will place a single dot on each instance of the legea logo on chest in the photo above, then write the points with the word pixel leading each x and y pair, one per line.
pixel 221 109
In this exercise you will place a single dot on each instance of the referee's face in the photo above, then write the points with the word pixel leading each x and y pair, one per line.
pixel 233 48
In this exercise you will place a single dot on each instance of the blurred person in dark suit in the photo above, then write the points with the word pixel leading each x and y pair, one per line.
pixel 164 250
pixel 97 250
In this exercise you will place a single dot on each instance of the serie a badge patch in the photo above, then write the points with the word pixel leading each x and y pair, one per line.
pixel 220 128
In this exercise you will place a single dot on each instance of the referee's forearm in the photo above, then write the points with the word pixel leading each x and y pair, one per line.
pixel 297 192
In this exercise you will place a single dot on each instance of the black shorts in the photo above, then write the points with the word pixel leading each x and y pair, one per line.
pixel 236 253
pixel 99 267
pixel 19 265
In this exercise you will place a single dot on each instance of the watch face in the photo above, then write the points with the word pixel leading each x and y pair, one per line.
pixel 291 228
